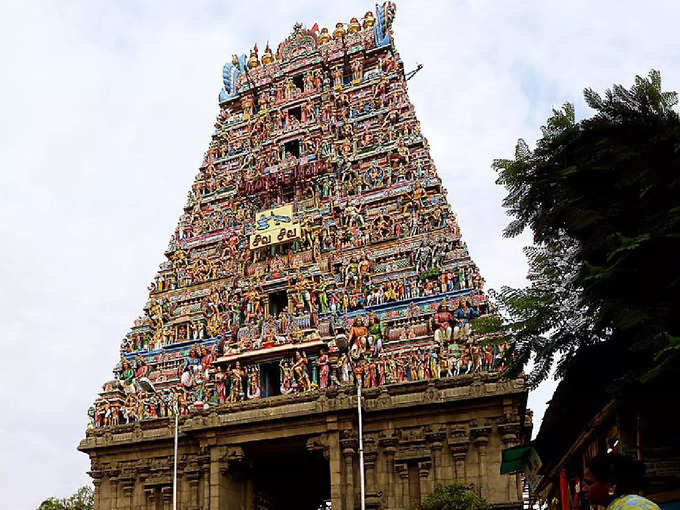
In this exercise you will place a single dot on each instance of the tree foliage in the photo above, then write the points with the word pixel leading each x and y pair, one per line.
pixel 602 199
pixel 83 499
pixel 454 497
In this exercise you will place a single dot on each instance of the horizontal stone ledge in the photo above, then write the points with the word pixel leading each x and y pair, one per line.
pixel 392 397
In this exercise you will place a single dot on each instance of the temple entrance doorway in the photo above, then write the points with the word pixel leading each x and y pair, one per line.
pixel 287 477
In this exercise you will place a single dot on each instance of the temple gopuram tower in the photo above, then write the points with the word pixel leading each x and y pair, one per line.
pixel 316 252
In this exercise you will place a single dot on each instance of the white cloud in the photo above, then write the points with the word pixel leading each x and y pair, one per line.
pixel 108 107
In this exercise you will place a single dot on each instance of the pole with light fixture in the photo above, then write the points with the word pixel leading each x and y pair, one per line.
pixel 148 386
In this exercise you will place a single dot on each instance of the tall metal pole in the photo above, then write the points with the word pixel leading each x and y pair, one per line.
pixel 174 472
pixel 361 449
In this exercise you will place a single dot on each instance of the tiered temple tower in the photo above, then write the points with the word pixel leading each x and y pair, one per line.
pixel 316 252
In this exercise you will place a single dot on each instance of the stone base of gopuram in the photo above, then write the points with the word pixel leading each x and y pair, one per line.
pixel 301 451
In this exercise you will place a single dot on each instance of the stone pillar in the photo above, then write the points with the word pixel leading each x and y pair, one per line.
pixel 508 432
pixel 217 469
pixel 166 495
pixel 193 480
pixel 97 482
pixel 435 438
pixel 459 444
pixel 426 486
pixel 335 465
pixel 116 503
pixel 127 486
pixel 348 444
pixel 480 438
pixel 150 496
pixel 370 458
pixel 388 442
pixel 403 496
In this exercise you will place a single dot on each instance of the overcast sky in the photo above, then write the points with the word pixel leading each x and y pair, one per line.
pixel 107 108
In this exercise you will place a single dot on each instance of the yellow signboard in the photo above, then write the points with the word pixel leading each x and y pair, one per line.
pixel 274 226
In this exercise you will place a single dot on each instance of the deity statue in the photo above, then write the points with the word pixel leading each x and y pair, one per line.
pixel 300 370
pixel 324 368
pixel 126 376
pixel 358 334
pixel 221 385
pixel 357 70
pixel 253 377
pixel 237 374
pixel 287 377
pixel 376 332
pixel 337 78
pixel 442 323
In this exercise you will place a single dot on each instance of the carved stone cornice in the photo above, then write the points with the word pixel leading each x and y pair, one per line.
pixel 388 441
pixel 150 493
pixel 348 442
pixel 370 458
pixel 435 436
pixel 412 445
pixel 401 469
pixel 509 433
pixel 480 435
pixel 166 493
pixel 424 468
pixel 459 441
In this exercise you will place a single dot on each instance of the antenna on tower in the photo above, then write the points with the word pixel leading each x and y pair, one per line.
pixel 411 74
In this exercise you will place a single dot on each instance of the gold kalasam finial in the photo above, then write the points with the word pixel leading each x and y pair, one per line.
pixel 253 61
pixel 354 26
pixel 339 30
pixel 369 19
pixel 324 36
pixel 267 56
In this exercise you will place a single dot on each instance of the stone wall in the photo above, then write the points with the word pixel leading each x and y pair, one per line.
pixel 415 435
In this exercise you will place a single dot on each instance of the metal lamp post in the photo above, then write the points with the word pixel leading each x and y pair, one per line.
pixel 341 344
pixel 148 386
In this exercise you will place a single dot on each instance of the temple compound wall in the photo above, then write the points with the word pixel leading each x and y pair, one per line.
pixel 415 435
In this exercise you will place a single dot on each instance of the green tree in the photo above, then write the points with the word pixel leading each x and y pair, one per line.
pixel 454 497
pixel 602 199
pixel 83 499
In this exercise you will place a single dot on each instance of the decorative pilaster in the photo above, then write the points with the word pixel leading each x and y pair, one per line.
pixel 480 438
pixel 166 496
pixel 435 437
pixel 370 458
pixel 388 442
pixel 424 469
pixel 459 444
pixel 402 469
pixel 348 445
pixel 509 436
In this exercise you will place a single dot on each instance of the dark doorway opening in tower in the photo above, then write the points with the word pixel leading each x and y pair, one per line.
pixel 278 302
pixel 279 467
pixel 298 81
pixel 292 148
pixel 270 379
pixel 296 112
